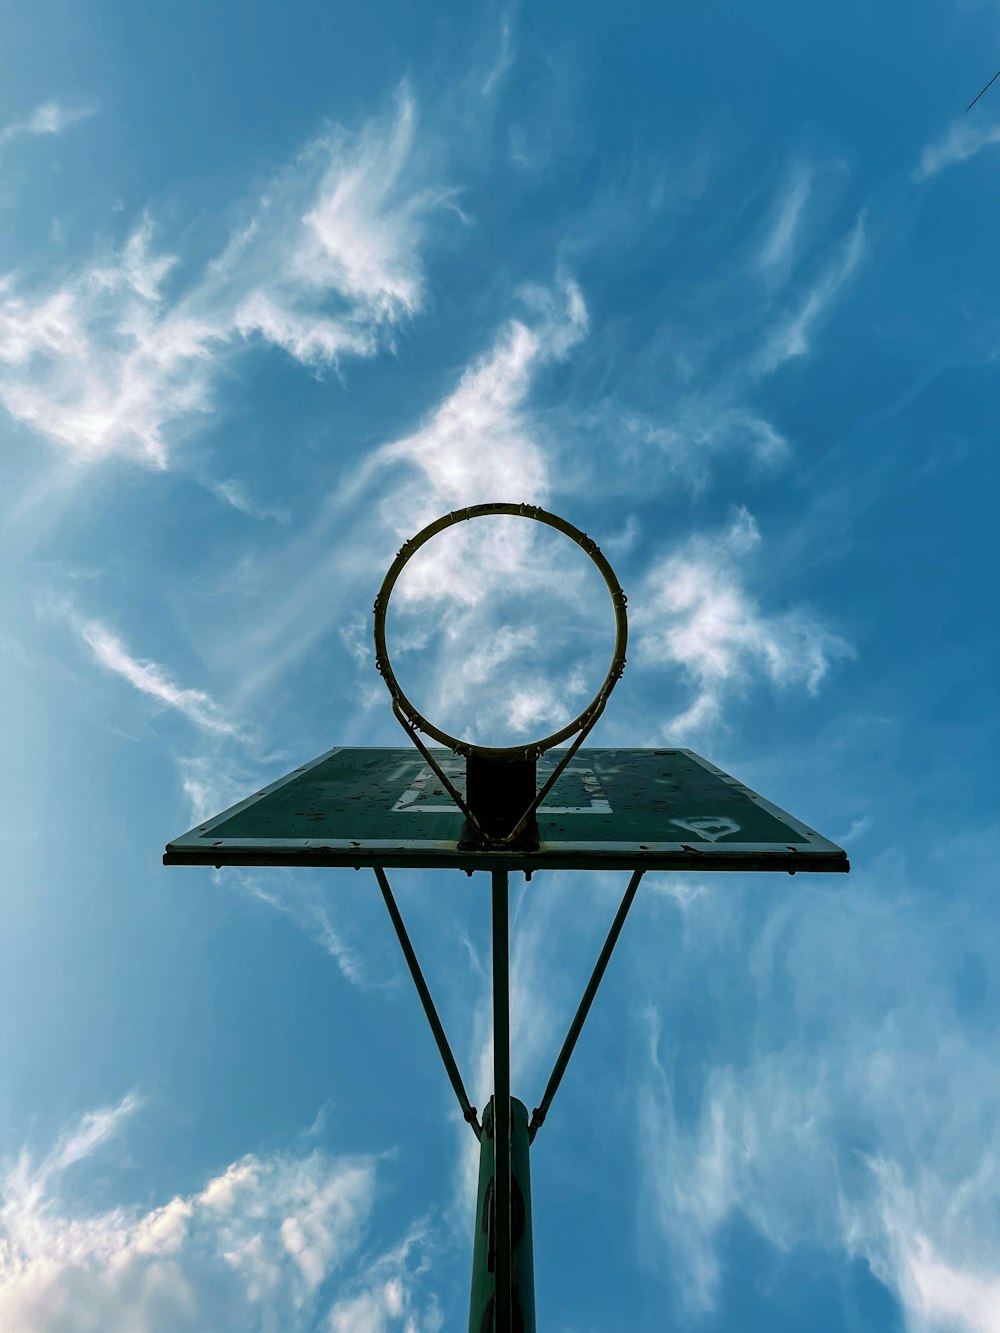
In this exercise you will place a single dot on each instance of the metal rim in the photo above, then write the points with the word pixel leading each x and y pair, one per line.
pixel 618 601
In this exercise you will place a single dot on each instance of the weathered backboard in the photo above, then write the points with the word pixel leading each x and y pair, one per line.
pixel 610 809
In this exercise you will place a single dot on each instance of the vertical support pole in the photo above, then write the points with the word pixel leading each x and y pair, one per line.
pixel 501 1102
pixel 522 1246
pixel 481 1305
pixel 483 1250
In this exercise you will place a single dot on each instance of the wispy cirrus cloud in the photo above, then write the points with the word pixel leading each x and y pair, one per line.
pixel 308 906
pixel 699 432
pixel 219 778
pixel 962 140
pixel 50 118
pixel 725 341
pixel 144 675
pixel 109 362
pixel 251 1251
pixel 790 337
pixel 213 782
pixel 697 615
pixel 857 1112
pixel 780 242
pixel 506 54
pixel 152 679
pixel 236 495
pixel 28 1180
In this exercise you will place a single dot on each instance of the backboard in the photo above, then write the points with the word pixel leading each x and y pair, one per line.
pixel 609 809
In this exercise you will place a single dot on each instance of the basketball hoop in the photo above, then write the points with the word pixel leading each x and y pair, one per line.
pixel 502 776
pixel 530 750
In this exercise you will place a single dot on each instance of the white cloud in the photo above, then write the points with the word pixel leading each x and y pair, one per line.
pixel 484 441
pixel 235 494
pixel 858 1109
pixel 859 827
pixel 959 1290
pixel 313 339
pixel 963 139
pixel 28 1181
pixel 151 679
pixel 359 238
pixel 147 677
pixel 689 1182
pixel 780 242
pixel 97 367
pixel 715 362
pixel 686 893
pixel 388 1294
pixel 622 543
pixel 506 54
pixel 136 269
pixel 791 337
pixel 330 264
pixel 327 266
pixel 309 907
pixel 480 443
pixel 698 432
pixel 697 615
pixel 50 118
pixel 212 783
pixel 249 1252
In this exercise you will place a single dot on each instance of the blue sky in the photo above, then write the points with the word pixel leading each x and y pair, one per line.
pixel 278 286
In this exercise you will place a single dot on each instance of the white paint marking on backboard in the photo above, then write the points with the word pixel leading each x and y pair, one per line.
pixel 712 827
pixel 596 807
pixel 599 803
pixel 410 802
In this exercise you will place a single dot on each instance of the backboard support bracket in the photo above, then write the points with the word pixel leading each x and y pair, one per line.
pixel 494 1284
pixel 498 792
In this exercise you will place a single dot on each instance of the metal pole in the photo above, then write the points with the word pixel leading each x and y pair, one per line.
pixel 522 1274
pixel 522 1263
pixel 501 1102
pixel 484 1237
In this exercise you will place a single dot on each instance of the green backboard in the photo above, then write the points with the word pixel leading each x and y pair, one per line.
pixel 610 809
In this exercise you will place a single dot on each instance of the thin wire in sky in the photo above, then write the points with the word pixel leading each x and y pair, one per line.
pixel 982 90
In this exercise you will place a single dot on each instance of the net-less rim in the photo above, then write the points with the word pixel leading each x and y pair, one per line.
pixel 618 600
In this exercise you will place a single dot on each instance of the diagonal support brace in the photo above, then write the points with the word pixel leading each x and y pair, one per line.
pixel 451 1068
pixel 576 1027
